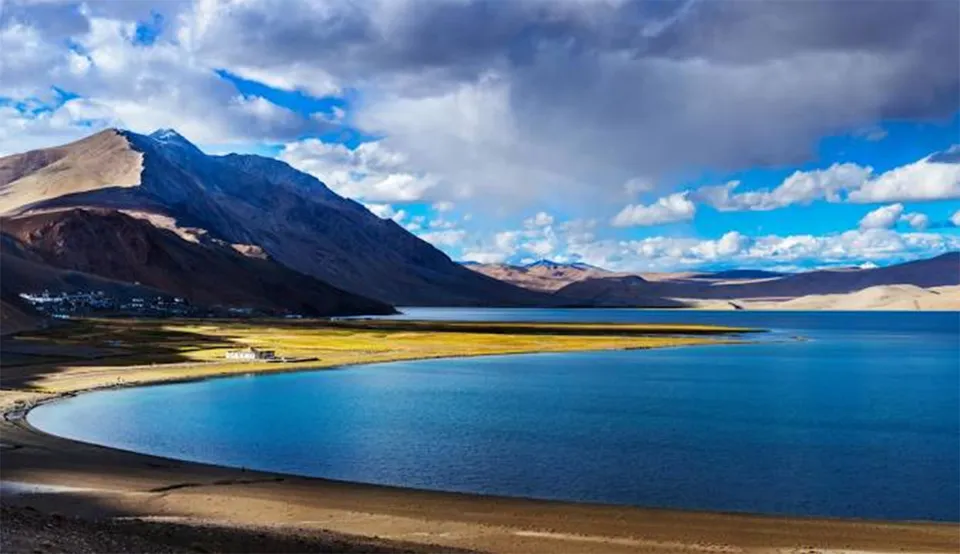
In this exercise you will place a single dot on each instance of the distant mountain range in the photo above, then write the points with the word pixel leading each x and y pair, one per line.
pixel 541 276
pixel 226 230
pixel 573 285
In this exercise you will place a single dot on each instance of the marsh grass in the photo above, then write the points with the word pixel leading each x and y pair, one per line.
pixel 136 351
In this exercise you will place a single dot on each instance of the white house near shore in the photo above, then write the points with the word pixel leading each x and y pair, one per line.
pixel 250 354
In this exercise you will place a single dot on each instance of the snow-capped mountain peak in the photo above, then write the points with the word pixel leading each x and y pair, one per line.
pixel 172 137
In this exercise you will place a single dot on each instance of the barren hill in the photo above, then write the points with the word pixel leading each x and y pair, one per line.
pixel 540 276
pixel 118 247
pixel 881 297
pixel 104 159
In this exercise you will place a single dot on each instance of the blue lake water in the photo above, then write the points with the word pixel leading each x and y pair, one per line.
pixel 862 419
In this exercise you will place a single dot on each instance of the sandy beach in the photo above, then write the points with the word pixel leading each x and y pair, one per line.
pixel 60 495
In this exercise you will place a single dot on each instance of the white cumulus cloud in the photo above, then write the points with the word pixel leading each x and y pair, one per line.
pixel 802 187
pixel 935 177
pixel 675 207
pixel 369 172
pixel 882 218
pixel 916 220
pixel 922 180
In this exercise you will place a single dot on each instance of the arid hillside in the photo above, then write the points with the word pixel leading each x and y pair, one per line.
pixel 261 203
pixel 118 247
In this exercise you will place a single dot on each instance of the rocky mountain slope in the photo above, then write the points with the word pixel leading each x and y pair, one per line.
pixel 247 200
pixel 24 271
pixel 15 315
pixel 121 248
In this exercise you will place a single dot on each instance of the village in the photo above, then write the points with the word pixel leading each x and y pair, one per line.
pixel 64 304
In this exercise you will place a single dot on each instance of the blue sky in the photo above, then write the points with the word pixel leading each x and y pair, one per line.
pixel 615 133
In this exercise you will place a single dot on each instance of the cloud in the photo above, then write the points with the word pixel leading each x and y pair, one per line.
pixel 676 207
pixel 541 219
pixel 386 211
pixel 416 223
pixel 505 103
pixel 916 220
pixel 935 177
pixel 925 179
pixel 442 224
pixel 882 218
pixel 369 172
pixel 955 218
pixel 848 248
pixel 802 187
pixel 527 98
pixel 444 238
pixel 484 257
pixel 729 244
pixel 555 240
pixel 578 241
pixel 638 185
pixel 93 51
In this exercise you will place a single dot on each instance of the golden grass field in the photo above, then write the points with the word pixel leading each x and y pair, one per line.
pixel 96 350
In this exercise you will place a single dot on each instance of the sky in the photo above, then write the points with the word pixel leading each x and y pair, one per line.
pixel 632 135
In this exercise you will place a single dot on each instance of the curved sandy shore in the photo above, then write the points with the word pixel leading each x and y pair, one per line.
pixel 104 482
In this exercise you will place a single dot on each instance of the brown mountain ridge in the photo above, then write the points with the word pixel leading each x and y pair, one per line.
pixel 121 248
pixel 247 200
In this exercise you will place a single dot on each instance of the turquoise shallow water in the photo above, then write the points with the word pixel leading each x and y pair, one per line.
pixel 860 420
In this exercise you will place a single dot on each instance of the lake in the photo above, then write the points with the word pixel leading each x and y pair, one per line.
pixel 859 419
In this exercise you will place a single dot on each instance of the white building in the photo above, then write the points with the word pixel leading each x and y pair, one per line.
pixel 250 354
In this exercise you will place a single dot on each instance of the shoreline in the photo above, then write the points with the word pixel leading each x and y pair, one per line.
pixel 119 483
pixel 147 487
pixel 261 369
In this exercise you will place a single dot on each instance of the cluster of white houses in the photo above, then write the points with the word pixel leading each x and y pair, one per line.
pixel 82 302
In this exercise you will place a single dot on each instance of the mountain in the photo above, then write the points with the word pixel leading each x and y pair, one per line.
pixel 119 247
pixel 550 265
pixel 616 291
pixel 731 274
pixel 880 297
pixel 943 270
pixel 542 275
pixel 16 315
pixel 25 271
pixel 257 203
